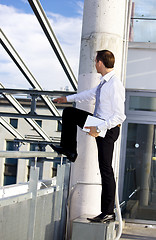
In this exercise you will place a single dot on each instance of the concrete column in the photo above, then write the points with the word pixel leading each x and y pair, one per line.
pixel 103 28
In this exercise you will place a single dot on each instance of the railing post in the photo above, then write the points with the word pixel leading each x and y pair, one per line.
pixel 34 175
pixel 62 190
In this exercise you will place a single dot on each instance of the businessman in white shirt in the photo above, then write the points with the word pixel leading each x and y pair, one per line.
pixel 109 106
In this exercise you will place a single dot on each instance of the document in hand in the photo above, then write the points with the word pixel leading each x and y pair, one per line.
pixel 92 121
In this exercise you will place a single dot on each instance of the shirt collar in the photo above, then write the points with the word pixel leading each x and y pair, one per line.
pixel 107 76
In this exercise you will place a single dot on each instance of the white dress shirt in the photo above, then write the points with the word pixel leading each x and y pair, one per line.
pixel 112 97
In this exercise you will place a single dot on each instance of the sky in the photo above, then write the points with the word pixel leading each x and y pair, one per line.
pixel 22 29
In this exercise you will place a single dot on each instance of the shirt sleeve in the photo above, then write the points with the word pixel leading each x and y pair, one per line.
pixel 86 95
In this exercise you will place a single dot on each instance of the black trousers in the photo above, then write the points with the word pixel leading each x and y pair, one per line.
pixel 73 117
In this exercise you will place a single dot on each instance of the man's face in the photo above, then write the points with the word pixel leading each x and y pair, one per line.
pixel 97 65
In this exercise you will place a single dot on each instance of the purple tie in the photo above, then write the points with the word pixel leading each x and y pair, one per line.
pixel 98 90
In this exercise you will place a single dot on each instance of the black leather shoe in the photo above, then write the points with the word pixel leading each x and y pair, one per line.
pixel 60 150
pixel 103 218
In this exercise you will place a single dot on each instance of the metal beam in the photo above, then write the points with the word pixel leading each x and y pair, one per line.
pixel 37 142
pixel 29 115
pixel 143 18
pixel 21 110
pixel 43 20
pixel 25 71
pixel 10 128
pixel 35 92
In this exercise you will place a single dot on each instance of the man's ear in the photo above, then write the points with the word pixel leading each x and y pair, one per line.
pixel 101 63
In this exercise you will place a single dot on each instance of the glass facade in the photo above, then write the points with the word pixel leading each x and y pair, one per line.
pixel 139 170
pixel 139 190
pixel 143 21
pixel 142 103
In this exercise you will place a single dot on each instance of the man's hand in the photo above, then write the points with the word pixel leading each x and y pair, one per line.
pixel 60 100
pixel 92 131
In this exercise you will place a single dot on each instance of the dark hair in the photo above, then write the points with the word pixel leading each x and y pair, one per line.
pixel 107 57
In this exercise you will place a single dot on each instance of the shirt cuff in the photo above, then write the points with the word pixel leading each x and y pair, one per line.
pixel 103 126
pixel 70 98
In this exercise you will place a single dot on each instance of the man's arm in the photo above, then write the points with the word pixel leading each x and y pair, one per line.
pixel 86 95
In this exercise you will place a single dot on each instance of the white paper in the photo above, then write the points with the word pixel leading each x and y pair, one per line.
pixel 92 121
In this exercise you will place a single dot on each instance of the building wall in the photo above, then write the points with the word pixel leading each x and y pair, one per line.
pixel 49 126
pixel 141 72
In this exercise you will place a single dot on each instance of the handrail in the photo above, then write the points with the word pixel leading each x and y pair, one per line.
pixel 35 92
pixel 122 204
pixel 26 154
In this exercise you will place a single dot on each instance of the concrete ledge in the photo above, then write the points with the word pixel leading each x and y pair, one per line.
pixel 85 230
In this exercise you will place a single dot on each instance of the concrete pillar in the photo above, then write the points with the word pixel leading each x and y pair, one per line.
pixel 103 28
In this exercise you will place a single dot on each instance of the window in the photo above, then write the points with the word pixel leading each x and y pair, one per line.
pixel 10 168
pixel 143 21
pixel 142 103
pixel 36 147
pixel 59 126
pixel 39 122
pixel 14 122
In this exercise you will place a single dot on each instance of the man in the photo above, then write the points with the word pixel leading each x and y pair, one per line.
pixel 109 106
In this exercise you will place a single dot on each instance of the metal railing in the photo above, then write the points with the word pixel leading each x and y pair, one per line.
pixel 38 212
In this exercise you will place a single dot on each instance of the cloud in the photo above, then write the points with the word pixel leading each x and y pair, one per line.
pixel 26 36
pixel 80 5
pixel 24 1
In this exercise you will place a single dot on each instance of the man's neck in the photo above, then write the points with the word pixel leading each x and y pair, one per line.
pixel 106 70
